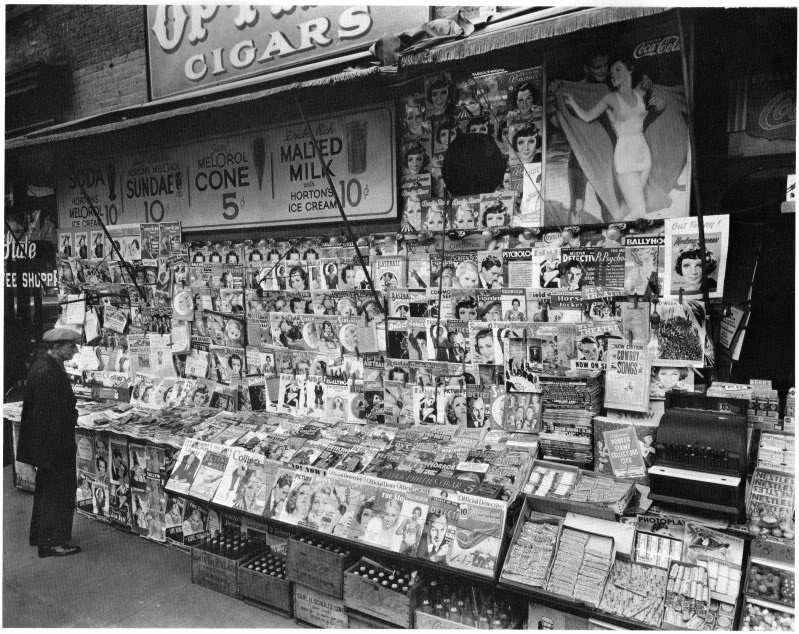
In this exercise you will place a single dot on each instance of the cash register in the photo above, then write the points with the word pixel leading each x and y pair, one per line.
pixel 700 459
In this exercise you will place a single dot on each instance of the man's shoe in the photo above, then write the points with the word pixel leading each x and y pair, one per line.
pixel 33 542
pixel 59 551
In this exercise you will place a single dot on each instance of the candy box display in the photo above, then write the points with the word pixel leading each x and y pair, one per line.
pixel 770 583
pixel 771 503
pixel 687 597
pixel 763 616
pixel 635 591
pixel 581 565
pixel 531 550
pixel 720 616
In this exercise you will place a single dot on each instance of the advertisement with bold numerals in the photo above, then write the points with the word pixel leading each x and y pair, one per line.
pixel 265 177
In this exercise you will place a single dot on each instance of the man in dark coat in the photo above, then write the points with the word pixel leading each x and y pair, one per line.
pixel 47 441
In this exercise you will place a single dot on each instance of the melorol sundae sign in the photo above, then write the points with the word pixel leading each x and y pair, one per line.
pixel 265 176
pixel 197 46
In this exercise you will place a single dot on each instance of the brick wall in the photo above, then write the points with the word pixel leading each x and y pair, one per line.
pixel 102 47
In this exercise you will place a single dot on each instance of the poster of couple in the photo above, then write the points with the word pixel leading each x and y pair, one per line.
pixel 618 142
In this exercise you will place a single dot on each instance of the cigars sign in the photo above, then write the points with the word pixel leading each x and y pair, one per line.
pixel 268 176
pixel 197 46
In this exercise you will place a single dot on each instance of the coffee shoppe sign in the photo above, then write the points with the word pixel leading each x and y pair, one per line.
pixel 197 46
pixel 263 177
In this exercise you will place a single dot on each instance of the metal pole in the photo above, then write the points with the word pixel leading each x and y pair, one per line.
pixel 347 226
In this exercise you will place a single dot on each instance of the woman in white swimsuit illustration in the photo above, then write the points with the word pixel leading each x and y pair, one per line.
pixel 626 110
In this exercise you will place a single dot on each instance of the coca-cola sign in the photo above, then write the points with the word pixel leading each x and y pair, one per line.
pixel 779 112
pixel 771 105
pixel 660 46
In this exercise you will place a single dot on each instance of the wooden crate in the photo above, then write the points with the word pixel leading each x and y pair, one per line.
pixel 425 621
pixel 369 597
pixel 215 572
pixel 317 568
pixel 318 609
pixel 360 621
pixel 264 590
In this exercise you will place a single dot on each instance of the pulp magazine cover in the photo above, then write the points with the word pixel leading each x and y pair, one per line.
pixel 139 507
pixel 518 267
pixel 682 335
pixel 225 397
pixel 683 265
pixel 118 503
pixel 186 466
pixel 496 209
pixel 565 306
pixel 522 412
pixel 630 459
pixel 279 492
pixel 173 519
pixel 366 497
pixel 195 523
pixel 484 345
pixel 635 321
pixel 478 536
pixel 464 212
pixel 545 264
pixel 627 377
pixel 398 403
pixel 644 267
pixel 381 529
pixel 399 302
pixel 120 467
pixel 389 272
pixel 659 540
pixel 138 466
pixel 298 502
pixel 156 503
pixel 328 505
pixel 210 472
pixel 412 518
pixel 439 528
pixel 667 379
pixel 241 469
pixel 490 266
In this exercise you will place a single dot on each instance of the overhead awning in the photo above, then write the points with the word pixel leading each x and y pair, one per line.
pixel 159 111
pixel 531 27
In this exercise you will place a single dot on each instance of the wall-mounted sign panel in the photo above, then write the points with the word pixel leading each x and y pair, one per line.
pixel 268 176
pixel 197 46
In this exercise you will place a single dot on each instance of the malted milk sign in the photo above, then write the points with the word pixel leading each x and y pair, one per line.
pixel 269 176
pixel 197 46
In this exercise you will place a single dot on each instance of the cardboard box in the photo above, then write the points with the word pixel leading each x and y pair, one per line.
pixel 319 609
pixel 369 597
pixel 317 568
pixel 560 506
pixel 524 515
pixel 425 621
pixel 215 572
pixel 263 589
